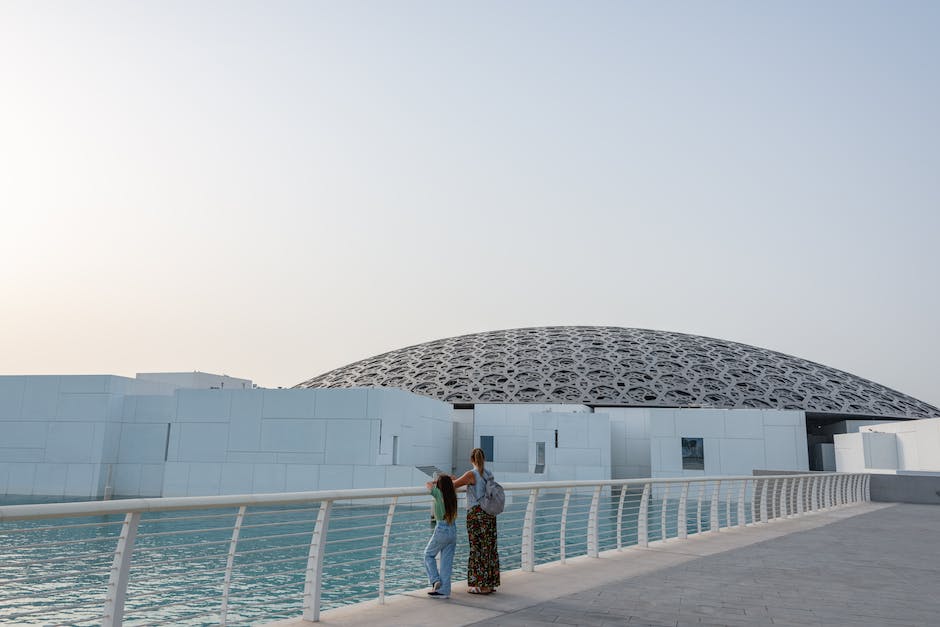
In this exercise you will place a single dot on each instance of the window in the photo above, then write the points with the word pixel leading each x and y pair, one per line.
pixel 693 454
pixel 486 443
pixel 540 457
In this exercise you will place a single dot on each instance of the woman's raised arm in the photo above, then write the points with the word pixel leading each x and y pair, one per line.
pixel 466 478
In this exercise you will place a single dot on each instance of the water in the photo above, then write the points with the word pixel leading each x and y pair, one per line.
pixel 180 557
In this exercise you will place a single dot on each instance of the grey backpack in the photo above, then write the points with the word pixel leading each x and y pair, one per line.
pixel 493 500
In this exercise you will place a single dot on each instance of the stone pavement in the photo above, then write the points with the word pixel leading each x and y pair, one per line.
pixel 868 564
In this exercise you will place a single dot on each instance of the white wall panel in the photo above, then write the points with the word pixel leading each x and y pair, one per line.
pixel 71 442
pixel 151 479
pixel 343 404
pixel 742 423
pixel 175 479
pixel 21 478
pixel 700 423
pixel 87 407
pixel 203 442
pixel 205 479
pixel 203 405
pixel 740 456
pixel 153 408
pixel 50 479
pixel 301 477
pixel 41 397
pixel 849 450
pixel 12 390
pixel 82 480
pixel 348 441
pixel 125 479
pixel 779 448
pixel 268 478
pixel 143 443
pixel 236 478
pixel 662 423
pixel 299 436
pixel 24 435
pixel 336 476
pixel 86 384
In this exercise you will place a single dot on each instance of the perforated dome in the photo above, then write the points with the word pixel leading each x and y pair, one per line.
pixel 616 366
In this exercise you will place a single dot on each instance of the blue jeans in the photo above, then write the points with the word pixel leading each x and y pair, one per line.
pixel 443 541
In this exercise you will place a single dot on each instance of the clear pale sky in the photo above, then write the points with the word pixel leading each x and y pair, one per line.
pixel 275 189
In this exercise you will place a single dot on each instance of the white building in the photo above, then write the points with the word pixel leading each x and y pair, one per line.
pixel 912 446
pixel 160 435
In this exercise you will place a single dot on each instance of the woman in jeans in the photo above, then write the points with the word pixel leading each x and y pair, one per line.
pixel 444 538
pixel 483 564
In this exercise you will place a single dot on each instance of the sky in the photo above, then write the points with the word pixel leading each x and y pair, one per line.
pixel 275 189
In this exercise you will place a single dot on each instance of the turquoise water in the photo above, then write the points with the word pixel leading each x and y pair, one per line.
pixel 180 557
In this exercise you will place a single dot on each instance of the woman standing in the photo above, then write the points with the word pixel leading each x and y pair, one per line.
pixel 483 564
pixel 444 538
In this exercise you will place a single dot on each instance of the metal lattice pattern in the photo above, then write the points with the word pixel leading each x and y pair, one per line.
pixel 618 366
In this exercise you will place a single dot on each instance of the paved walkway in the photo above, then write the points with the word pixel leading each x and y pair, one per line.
pixel 869 564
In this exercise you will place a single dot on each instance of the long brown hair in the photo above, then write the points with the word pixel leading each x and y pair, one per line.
pixel 449 495
pixel 478 458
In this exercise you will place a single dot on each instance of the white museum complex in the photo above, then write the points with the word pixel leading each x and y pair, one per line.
pixel 545 403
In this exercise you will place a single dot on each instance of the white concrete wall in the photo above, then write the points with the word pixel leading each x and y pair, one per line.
pixel 736 441
pixel 196 380
pixel 511 428
pixel 59 433
pixel 583 450
pixel 850 452
pixel 629 442
pixel 909 445
pixel 68 436
pixel 254 441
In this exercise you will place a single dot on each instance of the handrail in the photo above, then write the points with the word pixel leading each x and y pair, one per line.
pixel 176 503
pixel 544 521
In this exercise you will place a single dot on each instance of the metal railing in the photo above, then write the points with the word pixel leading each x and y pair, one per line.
pixel 250 558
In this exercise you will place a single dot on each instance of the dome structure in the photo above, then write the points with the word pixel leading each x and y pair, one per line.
pixel 615 366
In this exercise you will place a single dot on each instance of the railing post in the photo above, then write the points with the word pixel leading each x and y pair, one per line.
pixel 698 507
pixel 623 494
pixel 528 533
pixel 313 581
pixel 753 499
pixel 727 507
pixel 642 524
pixel 799 497
pixel 592 541
pixel 868 487
pixel 662 513
pixel 713 523
pixel 813 493
pixel 763 499
pixel 784 504
pixel 564 525
pixel 682 519
pixel 386 534
pixel 230 564
pixel 742 494
pixel 120 572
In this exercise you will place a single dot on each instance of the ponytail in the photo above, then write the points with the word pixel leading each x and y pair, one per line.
pixel 478 458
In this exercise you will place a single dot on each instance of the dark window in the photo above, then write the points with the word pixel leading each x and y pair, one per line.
pixel 486 443
pixel 693 454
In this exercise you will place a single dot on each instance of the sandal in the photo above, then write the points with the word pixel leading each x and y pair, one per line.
pixel 475 590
